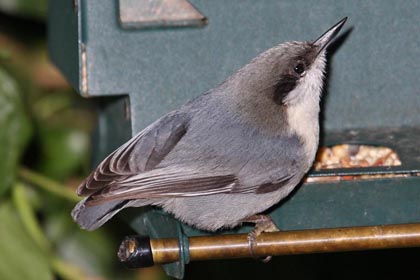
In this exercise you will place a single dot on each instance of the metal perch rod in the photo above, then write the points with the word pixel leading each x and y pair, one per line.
pixel 136 251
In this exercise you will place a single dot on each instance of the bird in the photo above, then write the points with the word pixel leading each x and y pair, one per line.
pixel 226 156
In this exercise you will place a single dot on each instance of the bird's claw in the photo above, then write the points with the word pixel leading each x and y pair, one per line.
pixel 263 223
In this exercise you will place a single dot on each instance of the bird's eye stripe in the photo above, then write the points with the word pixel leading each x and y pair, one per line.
pixel 285 85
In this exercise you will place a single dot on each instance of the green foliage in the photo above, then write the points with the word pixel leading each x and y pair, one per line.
pixel 45 129
pixel 15 129
pixel 63 150
pixel 44 141
pixel 62 134
pixel 21 257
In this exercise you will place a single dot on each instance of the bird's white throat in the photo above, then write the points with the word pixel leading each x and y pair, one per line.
pixel 303 110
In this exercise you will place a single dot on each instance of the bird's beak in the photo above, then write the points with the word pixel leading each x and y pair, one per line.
pixel 323 41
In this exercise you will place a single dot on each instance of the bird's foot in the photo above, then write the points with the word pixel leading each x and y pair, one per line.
pixel 263 223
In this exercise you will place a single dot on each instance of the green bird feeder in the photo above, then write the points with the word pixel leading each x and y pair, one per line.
pixel 141 59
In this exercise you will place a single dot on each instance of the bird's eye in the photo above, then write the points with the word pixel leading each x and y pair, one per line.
pixel 299 68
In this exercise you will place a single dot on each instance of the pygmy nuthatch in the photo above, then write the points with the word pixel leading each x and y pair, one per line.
pixel 228 154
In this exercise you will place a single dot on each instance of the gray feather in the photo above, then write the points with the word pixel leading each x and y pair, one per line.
pixel 91 218
pixel 143 152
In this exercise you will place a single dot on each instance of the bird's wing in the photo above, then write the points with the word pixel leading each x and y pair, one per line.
pixel 181 181
pixel 269 183
pixel 172 181
pixel 142 153
pixel 273 185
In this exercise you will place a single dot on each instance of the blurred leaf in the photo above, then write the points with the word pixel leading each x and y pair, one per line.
pixel 28 217
pixel 15 129
pixel 64 124
pixel 4 54
pixel 63 108
pixel 92 251
pixel 68 271
pixel 48 185
pixel 64 150
pixel 21 257
pixel 49 106
pixel 31 8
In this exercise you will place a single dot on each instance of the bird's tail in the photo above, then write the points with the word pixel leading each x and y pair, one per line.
pixel 92 217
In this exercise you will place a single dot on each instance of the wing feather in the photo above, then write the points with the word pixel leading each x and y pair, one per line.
pixel 176 181
pixel 166 182
pixel 142 153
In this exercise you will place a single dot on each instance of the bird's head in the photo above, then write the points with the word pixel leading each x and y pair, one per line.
pixel 300 68
pixel 279 90
pixel 289 72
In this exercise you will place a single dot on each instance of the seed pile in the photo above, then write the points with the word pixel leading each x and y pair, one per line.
pixel 350 156
pixel 354 156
